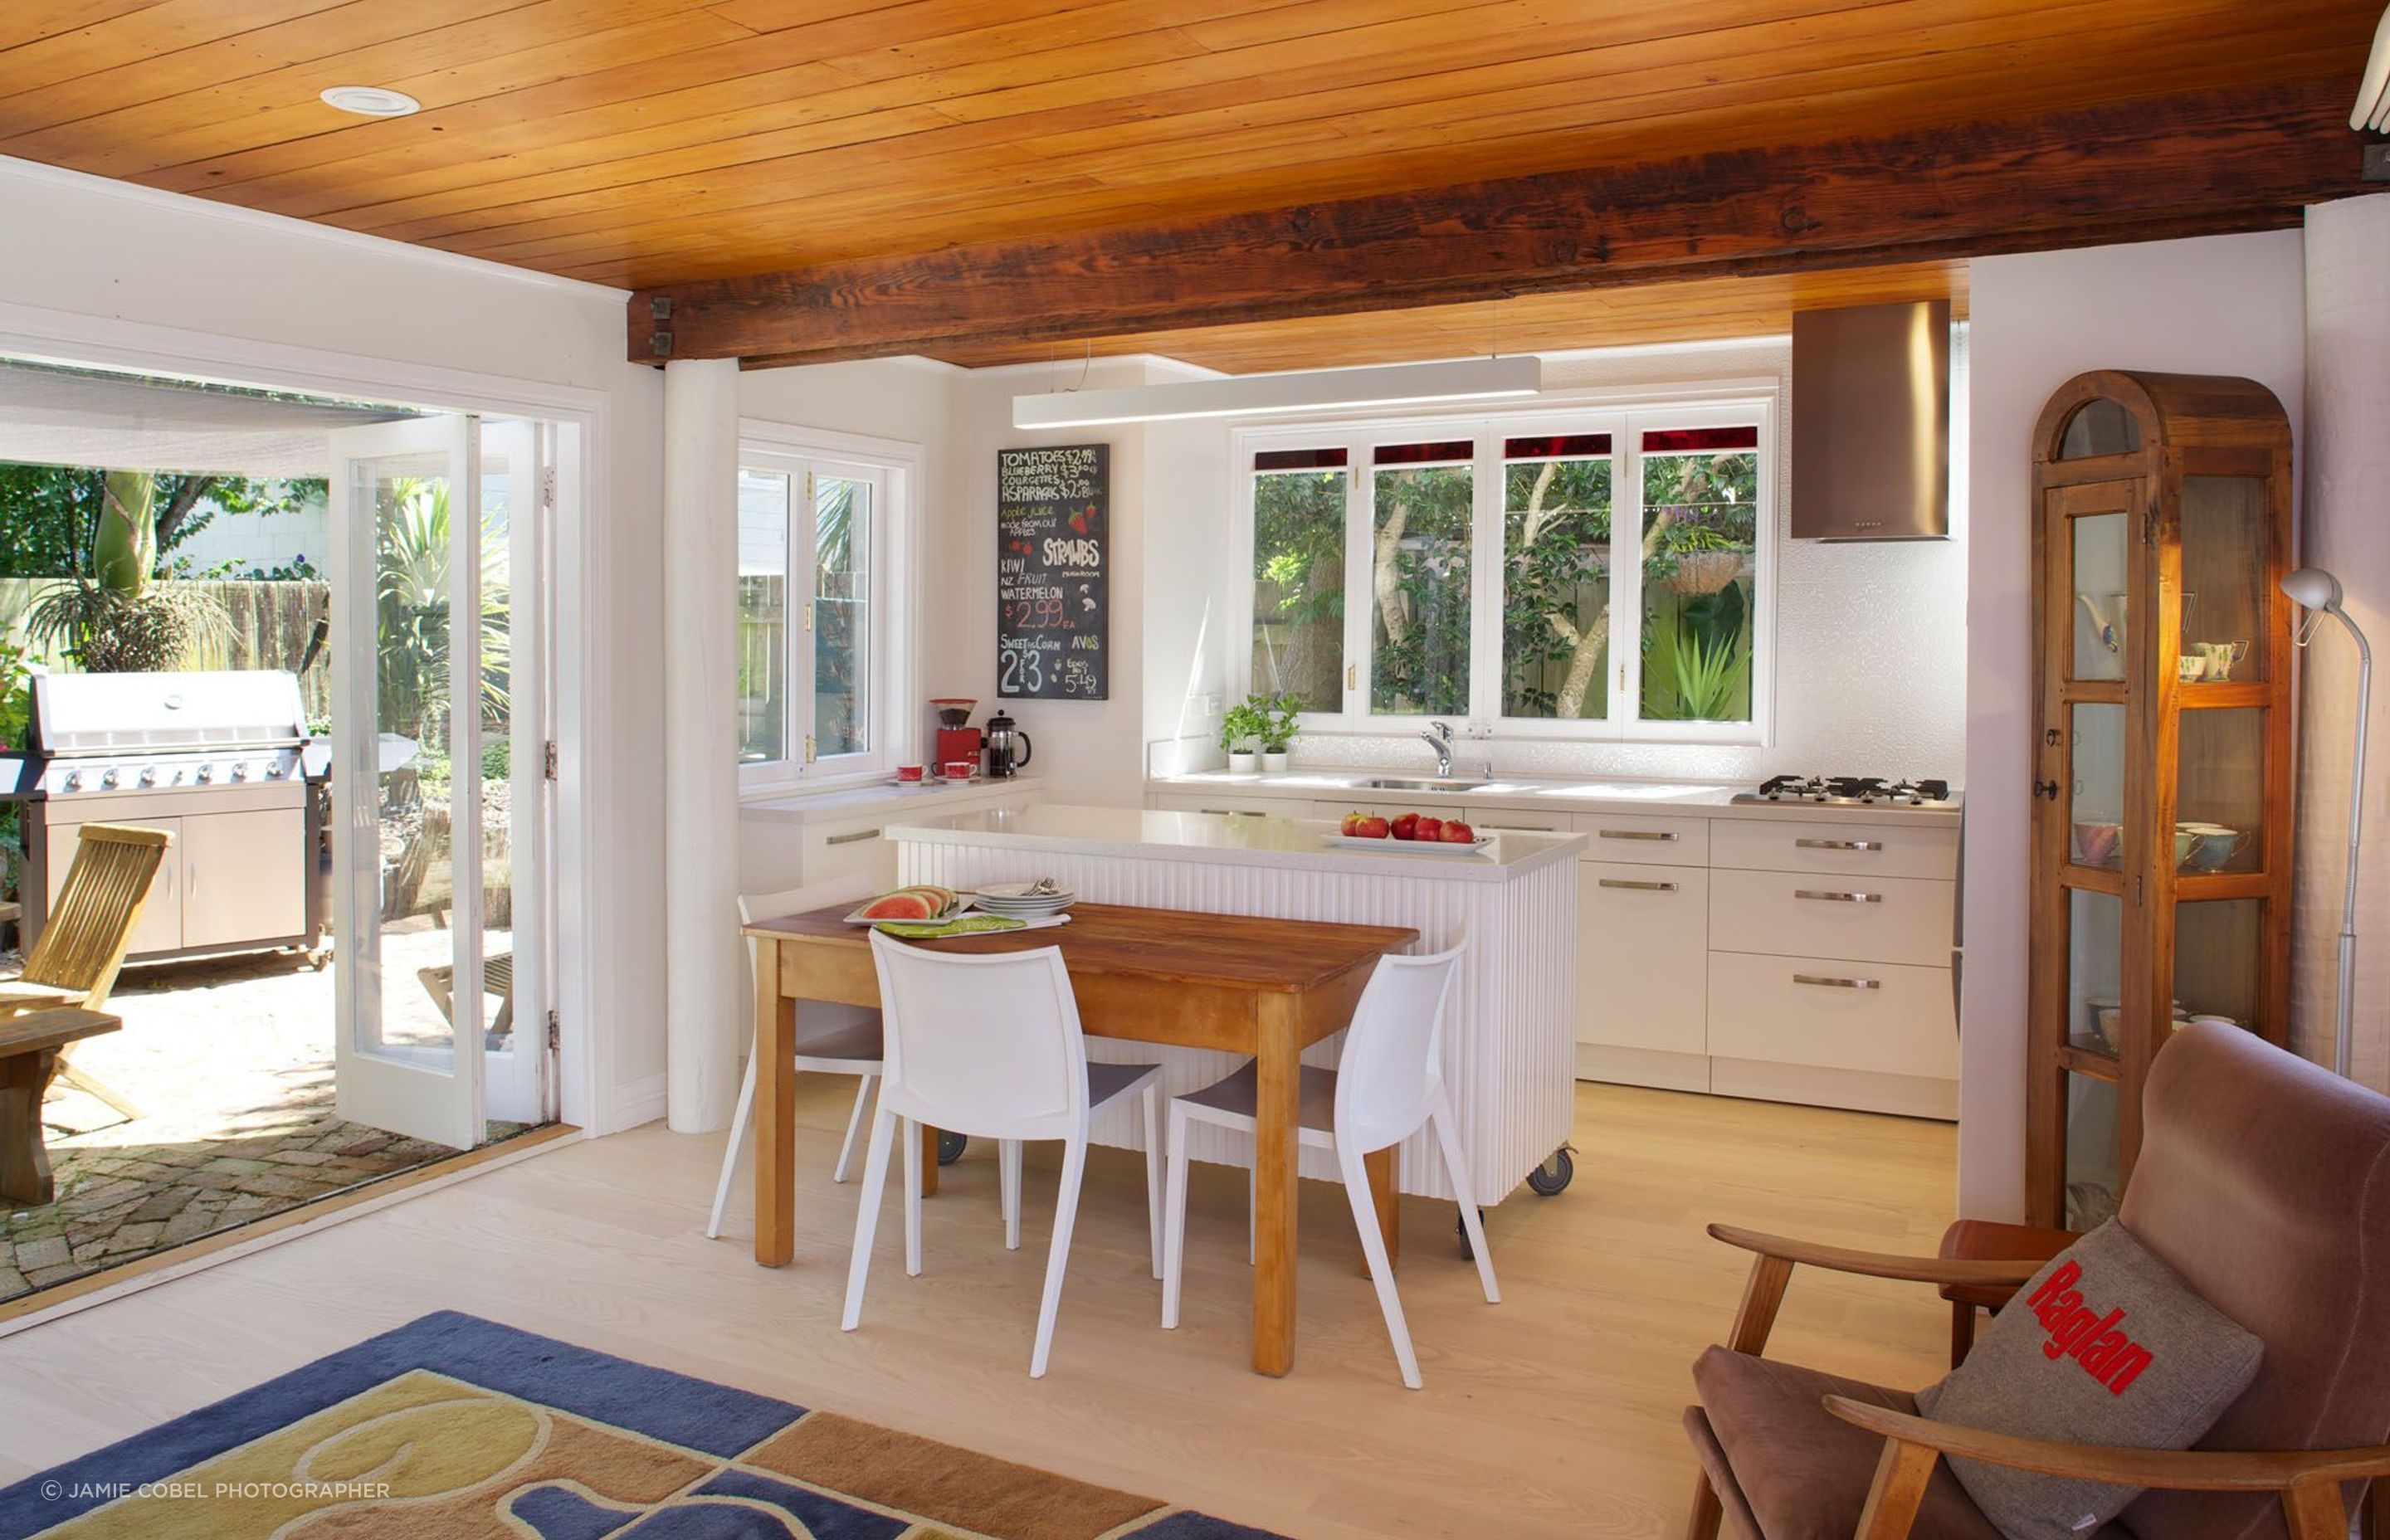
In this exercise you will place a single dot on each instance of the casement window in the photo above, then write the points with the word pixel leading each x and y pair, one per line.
pixel 819 543
pixel 1599 575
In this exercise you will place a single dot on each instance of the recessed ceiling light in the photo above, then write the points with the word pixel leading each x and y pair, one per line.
pixel 371 101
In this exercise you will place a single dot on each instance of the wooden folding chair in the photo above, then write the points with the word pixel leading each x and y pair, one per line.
pixel 83 943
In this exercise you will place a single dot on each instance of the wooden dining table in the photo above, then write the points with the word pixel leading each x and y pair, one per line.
pixel 1264 988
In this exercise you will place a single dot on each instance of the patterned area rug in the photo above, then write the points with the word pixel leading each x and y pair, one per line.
pixel 456 1426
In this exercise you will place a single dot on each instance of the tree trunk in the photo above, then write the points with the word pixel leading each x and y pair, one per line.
pixel 1589 645
pixel 125 550
pixel 1381 574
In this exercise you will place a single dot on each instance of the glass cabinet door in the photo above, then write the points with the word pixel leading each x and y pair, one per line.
pixel 2098 561
pixel 2225 595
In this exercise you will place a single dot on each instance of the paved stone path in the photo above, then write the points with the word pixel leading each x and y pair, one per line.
pixel 231 1060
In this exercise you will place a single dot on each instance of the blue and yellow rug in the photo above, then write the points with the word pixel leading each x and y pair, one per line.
pixel 454 1428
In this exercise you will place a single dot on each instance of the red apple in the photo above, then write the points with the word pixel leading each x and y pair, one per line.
pixel 1352 823
pixel 1406 826
pixel 1371 827
pixel 1429 829
pixel 1458 833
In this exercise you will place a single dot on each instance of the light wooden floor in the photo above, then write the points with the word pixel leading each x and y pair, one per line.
pixel 1552 1414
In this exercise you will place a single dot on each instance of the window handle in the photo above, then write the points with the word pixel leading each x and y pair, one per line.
pixel 1641 887
pixel 1352 676
pixel 1837 898
pixel 1838 844
pixel 1821 981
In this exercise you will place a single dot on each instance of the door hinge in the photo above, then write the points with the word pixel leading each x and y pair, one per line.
pixel 809 617
pixel 548 760
pixel 547 487
pixel 555 1029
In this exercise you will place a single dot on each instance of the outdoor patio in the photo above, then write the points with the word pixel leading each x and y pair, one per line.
pixel 231 1061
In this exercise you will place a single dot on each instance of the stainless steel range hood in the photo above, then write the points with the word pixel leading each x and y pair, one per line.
pixel 1871 423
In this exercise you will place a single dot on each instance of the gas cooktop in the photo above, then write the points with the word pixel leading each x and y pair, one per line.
pixel 1852 791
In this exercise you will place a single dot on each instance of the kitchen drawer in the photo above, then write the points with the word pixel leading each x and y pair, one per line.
pixel 1877 1017
pixel 1845 849
pixel 1897 920
pixel 1238 805
pixel 1645 840
pixel 1642 956
pixel 849 847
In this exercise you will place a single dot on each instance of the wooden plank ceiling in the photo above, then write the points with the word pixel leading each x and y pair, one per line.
pixel 654 142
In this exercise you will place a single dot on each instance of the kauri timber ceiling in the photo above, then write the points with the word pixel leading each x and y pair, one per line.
pixel 655 142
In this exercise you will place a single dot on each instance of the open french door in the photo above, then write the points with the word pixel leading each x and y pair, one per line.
pixel 439 730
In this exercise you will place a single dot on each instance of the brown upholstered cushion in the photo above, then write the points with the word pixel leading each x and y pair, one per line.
pixel 2264 1181
pixel 2106 1345
pixel 1803 1471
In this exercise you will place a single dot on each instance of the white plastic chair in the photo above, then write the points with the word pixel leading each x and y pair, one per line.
pixel 991 1047
pixel 836 1040
pixel 1388 1081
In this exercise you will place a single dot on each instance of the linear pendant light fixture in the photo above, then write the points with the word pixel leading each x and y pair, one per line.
pixel 1302 390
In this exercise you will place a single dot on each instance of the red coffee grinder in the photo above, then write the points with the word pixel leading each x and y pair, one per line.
pixel 956 741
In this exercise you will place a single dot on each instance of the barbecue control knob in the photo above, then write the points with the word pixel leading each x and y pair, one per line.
pixel 75 780
pixel 239 771
pixel 273 771
pixel 149 775
pixel 108 779
pixel 206 774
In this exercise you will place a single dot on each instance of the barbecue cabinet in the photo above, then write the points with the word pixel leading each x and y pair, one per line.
pixel 2162 826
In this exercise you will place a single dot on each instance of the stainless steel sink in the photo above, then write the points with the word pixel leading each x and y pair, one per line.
pixel 1398 783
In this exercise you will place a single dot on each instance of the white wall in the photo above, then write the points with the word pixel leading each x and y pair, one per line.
pixel 2348 468
pixel 2229 304
pixel 102 264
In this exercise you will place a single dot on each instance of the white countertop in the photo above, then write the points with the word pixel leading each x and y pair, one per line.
pixel 797 807
pixel 1210 838
pixel 1551 794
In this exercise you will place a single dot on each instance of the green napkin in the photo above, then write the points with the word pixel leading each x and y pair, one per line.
pixel 968 925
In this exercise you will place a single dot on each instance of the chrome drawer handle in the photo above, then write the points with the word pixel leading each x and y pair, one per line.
pixel 855 839
pixel 1640 887
pixel 1235 812
pixel 1823 982
pixel 1639 834
pixel 1837 898
pixel 1838 844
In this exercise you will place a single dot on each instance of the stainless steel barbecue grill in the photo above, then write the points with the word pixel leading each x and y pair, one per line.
pixel 220 760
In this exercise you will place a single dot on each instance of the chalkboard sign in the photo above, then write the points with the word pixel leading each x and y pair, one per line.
pixel 1053 555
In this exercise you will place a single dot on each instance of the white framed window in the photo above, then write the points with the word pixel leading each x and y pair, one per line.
pixel 1601 572
pixel 823 681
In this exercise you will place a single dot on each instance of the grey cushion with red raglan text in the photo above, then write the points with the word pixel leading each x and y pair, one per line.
pixel 2106 1345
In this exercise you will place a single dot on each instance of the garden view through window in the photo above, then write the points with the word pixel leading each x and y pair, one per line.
pixel 1406 526
pixel 811 539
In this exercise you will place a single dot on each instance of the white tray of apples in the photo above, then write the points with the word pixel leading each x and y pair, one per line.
pixel 1412 834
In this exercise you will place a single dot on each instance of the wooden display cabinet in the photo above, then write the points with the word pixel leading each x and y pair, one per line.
pixel 2162 824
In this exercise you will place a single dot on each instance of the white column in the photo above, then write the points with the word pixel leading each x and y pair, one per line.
pixel 706 1000
pixel 2346 532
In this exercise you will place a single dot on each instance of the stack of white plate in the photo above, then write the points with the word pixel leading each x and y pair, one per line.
pixel 1024 899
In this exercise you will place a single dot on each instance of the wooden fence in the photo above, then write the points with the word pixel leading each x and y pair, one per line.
pixel 270 626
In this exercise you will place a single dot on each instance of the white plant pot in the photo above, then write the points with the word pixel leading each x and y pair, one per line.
pixel 1273 764
pixel 1243 764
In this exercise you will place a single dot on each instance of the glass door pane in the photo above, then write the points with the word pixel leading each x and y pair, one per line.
pixel 1299 583
pixel 407 897
pixel 2219 948
pixel 513 778
pixel 1700 545
pixel 2220 790
pixel 2224 568
pixel 2100 573
pixel 2094 1169
pixel 763 617
pixel 2095 970
pixel 2096 787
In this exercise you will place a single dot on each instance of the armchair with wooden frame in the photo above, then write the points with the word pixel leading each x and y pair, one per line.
pixel 2264 1182
pixel 81 947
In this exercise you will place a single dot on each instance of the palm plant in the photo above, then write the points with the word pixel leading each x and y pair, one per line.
pixel 411 588
pixel 114 621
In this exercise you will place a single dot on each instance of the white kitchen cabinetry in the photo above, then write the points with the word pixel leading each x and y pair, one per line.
pixel 1642 974
pixel 810 838
pixel 1249 805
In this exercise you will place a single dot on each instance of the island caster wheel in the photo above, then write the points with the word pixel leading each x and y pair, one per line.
pixel 951 1146
pixel 1461 1229
pixel 1554 1176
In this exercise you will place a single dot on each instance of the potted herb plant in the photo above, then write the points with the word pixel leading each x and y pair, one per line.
pixel 1240 735
pixel 1279 712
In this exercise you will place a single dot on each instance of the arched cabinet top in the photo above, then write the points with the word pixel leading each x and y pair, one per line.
pixel 2111 412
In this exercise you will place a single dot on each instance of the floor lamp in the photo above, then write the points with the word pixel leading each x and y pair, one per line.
pixel 2315 589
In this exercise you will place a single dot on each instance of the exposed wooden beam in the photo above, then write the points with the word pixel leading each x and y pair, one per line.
pixel 2241 159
